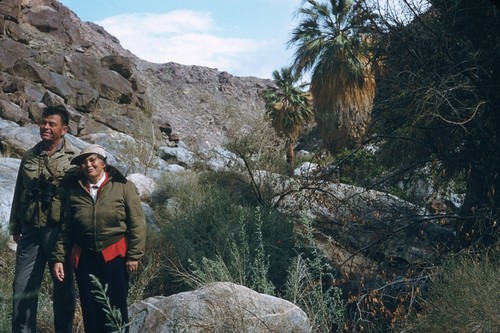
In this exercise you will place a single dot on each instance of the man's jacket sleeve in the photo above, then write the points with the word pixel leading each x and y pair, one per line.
pixel 15 225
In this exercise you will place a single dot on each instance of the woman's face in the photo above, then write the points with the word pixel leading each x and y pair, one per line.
pixel 93 168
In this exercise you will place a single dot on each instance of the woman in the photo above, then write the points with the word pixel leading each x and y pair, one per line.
pixel 104 228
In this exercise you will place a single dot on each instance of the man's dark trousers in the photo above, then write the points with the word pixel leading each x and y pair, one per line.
pixel 34 251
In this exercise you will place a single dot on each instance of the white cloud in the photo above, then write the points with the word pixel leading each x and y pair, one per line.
pixel 190 38
pixel 176 21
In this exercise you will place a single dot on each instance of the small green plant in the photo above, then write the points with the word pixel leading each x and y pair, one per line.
pixel 244 266
pixel 305 286
pixel 358 167
pixel 113 315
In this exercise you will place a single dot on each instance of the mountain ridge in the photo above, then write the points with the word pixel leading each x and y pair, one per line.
pixel 49 56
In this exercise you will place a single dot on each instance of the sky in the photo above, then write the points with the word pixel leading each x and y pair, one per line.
pixel 241 37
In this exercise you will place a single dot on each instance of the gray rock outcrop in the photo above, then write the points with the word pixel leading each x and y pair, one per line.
pixel 8 170
pixel 218 307
pixel 49 57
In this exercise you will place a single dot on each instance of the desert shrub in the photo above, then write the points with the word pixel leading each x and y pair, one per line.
pixel 243 265
pixel 146 281
pixel 310 284
pixel 463 297
pixel 325 308
pixel 259 147
pixel 358 167
pixel 225 235
pixel 112 315
pixel 225 226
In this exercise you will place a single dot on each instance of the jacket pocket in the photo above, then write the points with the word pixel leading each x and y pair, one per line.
pixel 55 210
pixel 28 211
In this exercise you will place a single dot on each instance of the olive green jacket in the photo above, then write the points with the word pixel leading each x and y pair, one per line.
pixel 94 225
pixel 36 204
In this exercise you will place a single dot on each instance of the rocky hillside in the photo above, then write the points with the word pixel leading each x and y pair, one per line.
pixel 48 56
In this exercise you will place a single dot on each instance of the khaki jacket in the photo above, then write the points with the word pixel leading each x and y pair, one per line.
pixel 95 225
pixel 36 204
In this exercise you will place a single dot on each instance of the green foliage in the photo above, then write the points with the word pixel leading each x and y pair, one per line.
pixel 287 105
pixel 260 148
pixel 325 309
pixel 254 243
pixel 146 281
pixel 289 109
pixel 224 238
pixel 439 103
pixel 178 192
pixel 307 278
pixel 242 266
pixel 358 167
pixel 463 298
pixel 114 320
pixel 331 42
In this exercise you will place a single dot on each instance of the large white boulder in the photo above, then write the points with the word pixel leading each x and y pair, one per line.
pixel 217 307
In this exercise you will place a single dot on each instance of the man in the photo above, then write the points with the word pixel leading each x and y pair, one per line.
pixel 35 223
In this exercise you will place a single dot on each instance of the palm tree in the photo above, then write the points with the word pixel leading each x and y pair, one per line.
pixel 332 44
pixel 289 109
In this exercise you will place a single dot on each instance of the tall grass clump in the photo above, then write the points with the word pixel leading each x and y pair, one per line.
pixel 464 297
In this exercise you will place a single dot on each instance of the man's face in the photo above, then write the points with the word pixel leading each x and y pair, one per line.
pixel 52 129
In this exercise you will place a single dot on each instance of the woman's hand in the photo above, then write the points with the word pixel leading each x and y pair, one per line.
pixel 58 271
pixel 132 266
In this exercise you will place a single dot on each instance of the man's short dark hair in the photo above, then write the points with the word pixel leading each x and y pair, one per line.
pixel 59 110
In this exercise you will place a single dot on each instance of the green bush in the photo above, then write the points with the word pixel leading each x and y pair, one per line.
pixel 226 226
pixel 358 167
pixel 224 235
pixel 464 297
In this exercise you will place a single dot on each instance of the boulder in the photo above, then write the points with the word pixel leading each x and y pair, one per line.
pixel 56 19
pixel 115 87
pixel 11 51
pixel 217 307
pixel 10 9
pixel 348 218
pixel 145 185
pixel 120 64
pixel 29 70
pixel 13 112
pixel 8 170
pixel 76 93
pixel 177 155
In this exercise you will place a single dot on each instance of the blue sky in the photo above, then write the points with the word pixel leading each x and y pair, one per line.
pixel 241 37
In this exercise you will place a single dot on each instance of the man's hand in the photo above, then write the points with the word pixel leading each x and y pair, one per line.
pixel 58 271
pixel 16 237
pixel 132 266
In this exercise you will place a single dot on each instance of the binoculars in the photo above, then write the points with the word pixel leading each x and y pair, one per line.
pixel 41 188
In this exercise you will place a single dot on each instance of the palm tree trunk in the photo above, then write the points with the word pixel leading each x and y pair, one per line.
pixel 290 157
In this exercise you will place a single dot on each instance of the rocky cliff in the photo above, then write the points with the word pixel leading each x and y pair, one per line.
pixel 48 56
